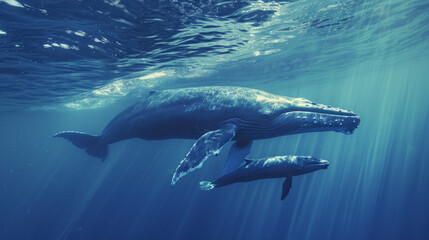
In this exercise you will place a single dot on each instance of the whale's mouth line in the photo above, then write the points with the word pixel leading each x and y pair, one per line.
pixel 325 112
pixel 320 165
pixel 320 108
pixel 328 116
pixel 320 115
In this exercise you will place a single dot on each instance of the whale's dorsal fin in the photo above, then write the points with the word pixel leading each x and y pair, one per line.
pixel 236 156
pixel 206 146
pixel 287 185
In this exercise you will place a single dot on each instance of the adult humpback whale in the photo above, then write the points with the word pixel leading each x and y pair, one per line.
pixel 214 116
pixel 274 167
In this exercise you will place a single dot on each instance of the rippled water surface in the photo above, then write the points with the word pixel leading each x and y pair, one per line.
pixel 74 65
pixel 58 51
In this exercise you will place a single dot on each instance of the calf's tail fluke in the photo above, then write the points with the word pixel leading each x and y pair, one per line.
pixel 89 142
pixel 206 185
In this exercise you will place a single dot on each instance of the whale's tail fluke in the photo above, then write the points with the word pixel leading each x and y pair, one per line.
pixel 206 185
pixel 90 143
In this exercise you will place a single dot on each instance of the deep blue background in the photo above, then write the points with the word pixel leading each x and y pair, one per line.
pixel 370 57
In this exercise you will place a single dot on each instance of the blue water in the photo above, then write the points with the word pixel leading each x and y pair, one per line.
pixel 74 65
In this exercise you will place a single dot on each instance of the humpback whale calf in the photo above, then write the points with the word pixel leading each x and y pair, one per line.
pixel 214 116
pixel 274 167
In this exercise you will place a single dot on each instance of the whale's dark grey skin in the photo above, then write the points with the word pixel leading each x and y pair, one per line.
pixel 214 116
pixel 274 167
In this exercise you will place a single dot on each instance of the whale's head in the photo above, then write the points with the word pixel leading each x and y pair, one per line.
pixel 302 115
pixel 307 164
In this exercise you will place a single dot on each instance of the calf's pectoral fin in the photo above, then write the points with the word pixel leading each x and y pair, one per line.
pixel 206 185
pixel 206 146
pixel 236 155
pixel 287 185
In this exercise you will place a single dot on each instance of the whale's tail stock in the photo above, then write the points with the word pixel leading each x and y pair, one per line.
pixel 89 142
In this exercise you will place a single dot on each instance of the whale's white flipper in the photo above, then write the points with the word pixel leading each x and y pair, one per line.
pixel 86 141
pixel 236 156
pixel 206 146
pixel 206 185
pixel 287 185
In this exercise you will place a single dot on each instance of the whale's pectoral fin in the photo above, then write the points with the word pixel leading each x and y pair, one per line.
pixel 236 155
pixel 287 185
pixel 206 146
